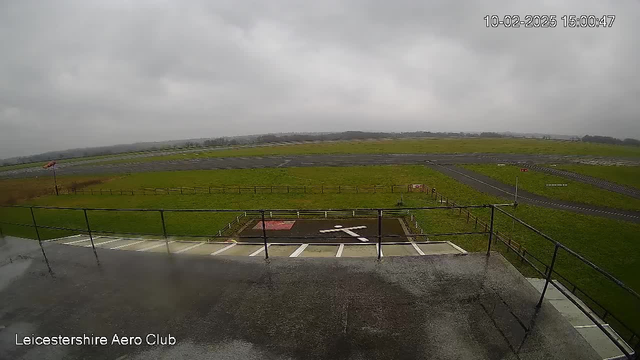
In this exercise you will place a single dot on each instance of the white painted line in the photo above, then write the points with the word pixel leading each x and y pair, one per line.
pixel 589 326
pixel 348 231
pixel 299 250
pixel 155 246
pixel 224 249
pixel 76 241
pixel 64 237
pixel 462 251
pixel 415 246
pixel 125 245
pixel 259 250
pixel 340 250
pixel 189 248
pixel 104 242
pixel 343 229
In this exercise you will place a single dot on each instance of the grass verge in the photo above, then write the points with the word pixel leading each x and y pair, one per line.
pixel 576 191
pixel 623 175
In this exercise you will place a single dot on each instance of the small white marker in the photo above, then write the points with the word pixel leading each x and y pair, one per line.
pixel 415 246
pixel 259 250
pixel 104 242
pixel 76 241
pixel 155 246
pixel 223 249
pixel 189 248
pixel 340 250
pixel 125 245
pixel 299 250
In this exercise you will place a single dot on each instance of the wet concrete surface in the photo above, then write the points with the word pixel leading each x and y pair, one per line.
pixel 421 307
pixel 257 162
pixel 494 187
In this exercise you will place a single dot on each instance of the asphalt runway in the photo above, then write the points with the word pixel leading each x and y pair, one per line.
pixel 258 162
pixel 493 187
pixel 420 307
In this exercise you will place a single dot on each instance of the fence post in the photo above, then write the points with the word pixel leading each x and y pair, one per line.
pixel 86 220
pixel 164 231
pixel 35 226
pixel 322 188
pixel 549 273
pixel 379 234
pixel 264 236
pixel 209 189
pixel 490 230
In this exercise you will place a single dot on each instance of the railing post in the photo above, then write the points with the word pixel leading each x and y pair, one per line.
pixel 35 226
pixel 379 234
pixel 264 235
pixel 164 232
pixel 491 230
pixel 549 273
pixel 86 220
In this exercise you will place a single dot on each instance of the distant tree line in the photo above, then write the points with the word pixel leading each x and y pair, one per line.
pixel 610 140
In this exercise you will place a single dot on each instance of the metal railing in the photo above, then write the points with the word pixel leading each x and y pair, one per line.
pixel 262 214
pixel 549 271
pixel 632 338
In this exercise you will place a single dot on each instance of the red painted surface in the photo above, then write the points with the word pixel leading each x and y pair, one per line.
pixel 275 225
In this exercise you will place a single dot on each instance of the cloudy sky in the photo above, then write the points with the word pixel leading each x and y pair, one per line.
pixel 89 73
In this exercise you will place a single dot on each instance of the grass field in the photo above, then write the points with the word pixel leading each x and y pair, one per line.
pixel 458 145
pixel 535 182
pixel 623 175
pixel 399 146
pixel 13 191
pixel 609 243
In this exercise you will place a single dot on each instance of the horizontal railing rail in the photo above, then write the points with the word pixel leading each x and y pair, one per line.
pixel 545 270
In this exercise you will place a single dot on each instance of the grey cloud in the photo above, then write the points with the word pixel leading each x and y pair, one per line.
pixel 77 73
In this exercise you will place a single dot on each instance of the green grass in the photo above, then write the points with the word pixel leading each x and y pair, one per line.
pixel 623 175
pixel 356 175
pixel 535 182
pixel 15 190
pixel 609 243
pixel 458 145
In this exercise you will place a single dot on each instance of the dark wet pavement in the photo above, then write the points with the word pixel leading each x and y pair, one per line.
pixel 426 307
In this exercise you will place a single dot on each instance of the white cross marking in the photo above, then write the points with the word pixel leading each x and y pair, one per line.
pixel 348 231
